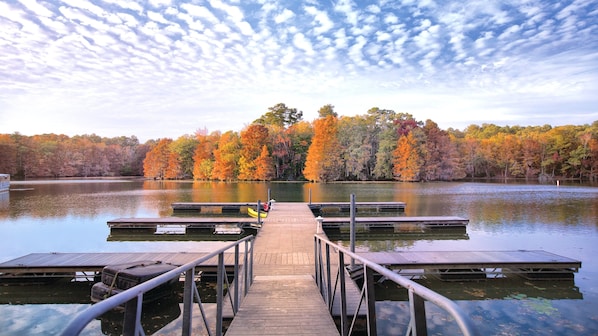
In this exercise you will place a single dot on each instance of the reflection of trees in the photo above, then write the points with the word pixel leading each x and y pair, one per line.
pixel 74 198
pixel 378 245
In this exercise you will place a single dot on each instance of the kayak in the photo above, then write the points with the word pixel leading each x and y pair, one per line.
pixel 253 213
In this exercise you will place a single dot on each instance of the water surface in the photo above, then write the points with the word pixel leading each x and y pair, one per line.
pixel 71 216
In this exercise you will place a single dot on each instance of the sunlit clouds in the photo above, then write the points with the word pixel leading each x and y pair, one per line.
pixel 165 68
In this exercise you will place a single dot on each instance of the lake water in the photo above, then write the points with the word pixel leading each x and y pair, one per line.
pixel 71 216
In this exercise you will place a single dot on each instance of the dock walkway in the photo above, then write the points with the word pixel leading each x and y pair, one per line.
pixel 284 298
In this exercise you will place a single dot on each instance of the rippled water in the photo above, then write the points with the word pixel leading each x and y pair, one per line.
pixel 71 216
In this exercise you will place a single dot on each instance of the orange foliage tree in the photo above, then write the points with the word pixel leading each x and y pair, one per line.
pixel 226 157
pixel 264 170
pixel 324 162
pixel 407 160
pixel 203 158
pixel 156 160
pixel 253 138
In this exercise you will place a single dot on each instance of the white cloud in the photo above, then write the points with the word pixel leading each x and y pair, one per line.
pixel 322 18
pixel 39 9
pixel 301 42
pixel 160 3
pixel 200 12
pixel 284 16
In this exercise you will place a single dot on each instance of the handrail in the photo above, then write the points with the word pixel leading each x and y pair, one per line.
pixel 417 293
pixel 132 298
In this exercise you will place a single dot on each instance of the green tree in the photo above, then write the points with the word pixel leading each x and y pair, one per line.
pixel 280 115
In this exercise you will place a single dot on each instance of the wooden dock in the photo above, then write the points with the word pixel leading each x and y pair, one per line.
pixel 213 208
pixel 394 224
pixel 59 265
pixel 478 265
pixel 323 208
pixel 284 298
pixel 182 225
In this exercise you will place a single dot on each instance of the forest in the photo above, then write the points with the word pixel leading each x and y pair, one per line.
pixel 379 145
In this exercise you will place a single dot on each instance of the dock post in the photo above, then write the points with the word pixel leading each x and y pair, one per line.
pixel 269 197
pixel 319 221
pixel 309 196
pixel 259 215
pixel 352 229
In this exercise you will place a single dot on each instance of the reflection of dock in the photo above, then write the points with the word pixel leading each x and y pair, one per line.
pixel 478 265
pixel 510 288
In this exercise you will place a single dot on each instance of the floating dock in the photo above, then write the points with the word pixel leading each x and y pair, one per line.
pixel 182 225
pixel 321 209
pixel 45 266
pixel 394 224
pixel 213 208
pixel 478 265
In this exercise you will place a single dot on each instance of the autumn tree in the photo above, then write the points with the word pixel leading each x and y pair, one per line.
pixel 407 158
pixel 182 162
pixel 323 162
pixel 440 154
pixel 226 157
pixel 203 158
pixel 264 170
pixel 253 138
pixel 156 160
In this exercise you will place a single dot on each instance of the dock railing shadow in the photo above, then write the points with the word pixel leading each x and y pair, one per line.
pixel 132 299
pixel 330 274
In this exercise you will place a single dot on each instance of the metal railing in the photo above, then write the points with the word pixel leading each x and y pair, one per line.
pixel 327 266
pixel 132 298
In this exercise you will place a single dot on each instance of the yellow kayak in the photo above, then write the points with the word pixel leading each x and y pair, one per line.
pixel 253 213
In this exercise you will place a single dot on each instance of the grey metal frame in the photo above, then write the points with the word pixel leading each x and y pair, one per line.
pixel 132 298
pixel 418 294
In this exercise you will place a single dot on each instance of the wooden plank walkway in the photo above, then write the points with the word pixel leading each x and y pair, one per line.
pixel 284 298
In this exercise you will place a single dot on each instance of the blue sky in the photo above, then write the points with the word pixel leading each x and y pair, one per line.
pixel 165 68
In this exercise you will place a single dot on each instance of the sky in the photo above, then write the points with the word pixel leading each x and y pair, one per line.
pixel 167 68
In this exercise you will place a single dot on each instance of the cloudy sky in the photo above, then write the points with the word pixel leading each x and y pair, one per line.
pixel 165 68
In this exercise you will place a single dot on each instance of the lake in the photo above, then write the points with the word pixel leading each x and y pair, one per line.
pixel 71 216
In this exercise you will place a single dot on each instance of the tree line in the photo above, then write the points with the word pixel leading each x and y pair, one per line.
pixel 378 145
